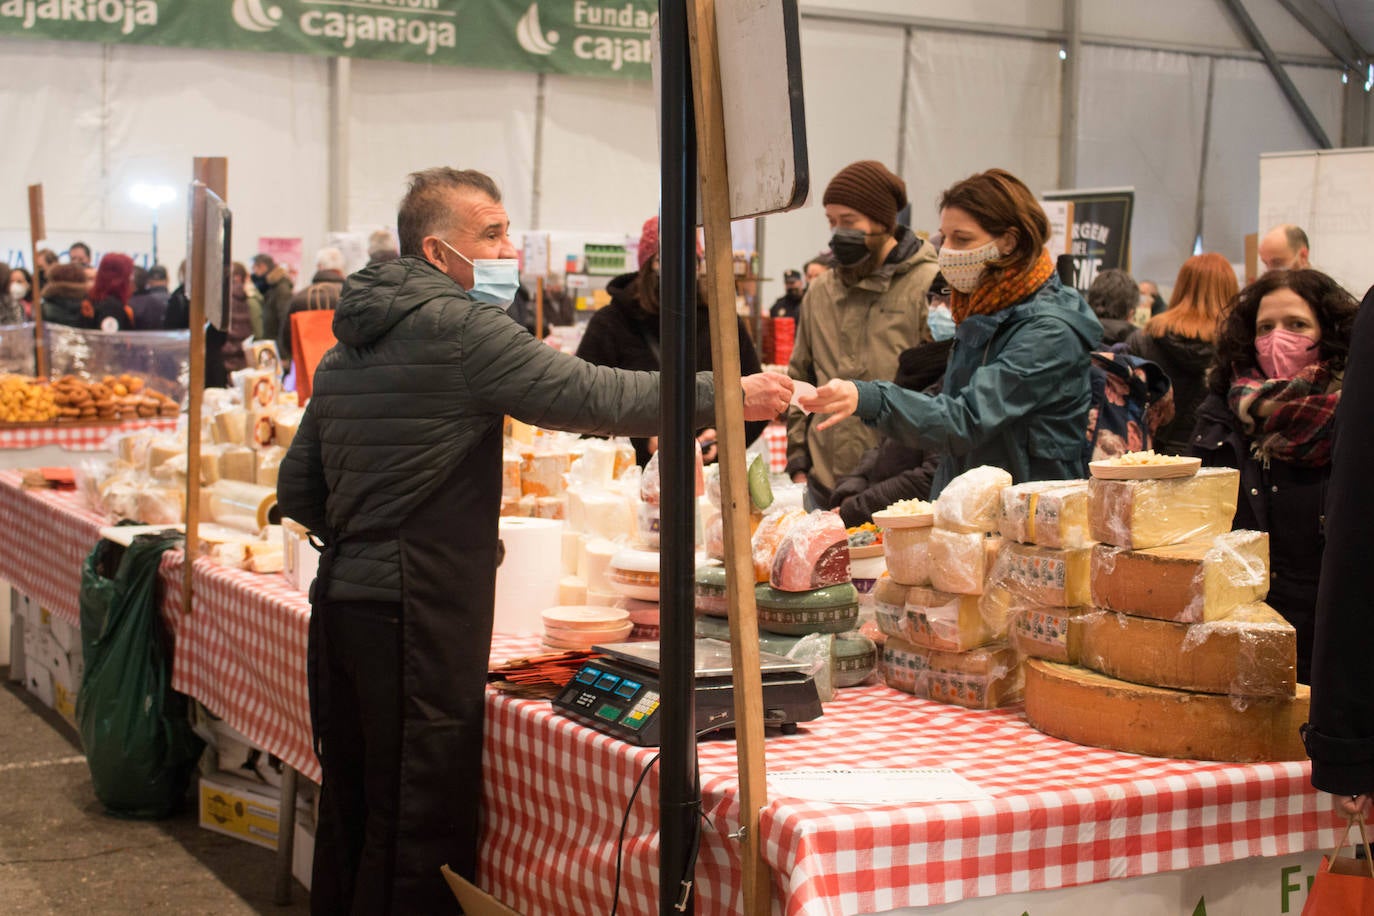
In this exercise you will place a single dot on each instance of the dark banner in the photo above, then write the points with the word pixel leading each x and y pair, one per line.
pixel 1100 237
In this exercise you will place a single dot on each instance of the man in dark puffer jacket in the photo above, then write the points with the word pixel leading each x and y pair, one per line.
pixel 397 469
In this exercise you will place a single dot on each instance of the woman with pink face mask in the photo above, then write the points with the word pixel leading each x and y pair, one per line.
pixel 1272 394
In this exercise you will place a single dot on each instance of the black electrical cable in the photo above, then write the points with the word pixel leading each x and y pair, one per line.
pixel 691 865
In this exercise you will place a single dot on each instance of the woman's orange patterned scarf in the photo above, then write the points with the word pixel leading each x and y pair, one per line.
pixel 991 297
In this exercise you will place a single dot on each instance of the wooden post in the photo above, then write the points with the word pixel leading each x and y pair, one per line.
pixel 208 173
pixel 739 566
pixel 38 232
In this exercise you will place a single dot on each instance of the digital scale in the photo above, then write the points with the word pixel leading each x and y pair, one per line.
pixel 619 694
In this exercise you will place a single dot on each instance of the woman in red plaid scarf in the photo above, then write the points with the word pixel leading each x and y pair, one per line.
pixel 1273 390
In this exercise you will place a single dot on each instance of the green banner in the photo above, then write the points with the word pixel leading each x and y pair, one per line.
pixel 584 37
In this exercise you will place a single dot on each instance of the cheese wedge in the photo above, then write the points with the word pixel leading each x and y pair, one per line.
pixel 960 561
pixel 1044 576
pixel 1188 583
pixel 1139 514
pixel 1051 513
pixel 1251 652
pixel 973 500
pixel 1051 633
pixel 1089 708
pixel 946 621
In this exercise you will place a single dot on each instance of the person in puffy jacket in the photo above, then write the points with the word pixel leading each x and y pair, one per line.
pixel 107 308
pixel 1017 390
pixel 63 294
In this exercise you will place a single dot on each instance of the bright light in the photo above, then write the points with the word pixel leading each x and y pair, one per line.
pixel 152 195
pixel 1345 78
pixel 1369 83
pixel 1063 55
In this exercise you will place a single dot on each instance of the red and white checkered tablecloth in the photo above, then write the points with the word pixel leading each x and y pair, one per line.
pixel 1061 815
pixel 45 536
pixel 775 437
pixel 77 437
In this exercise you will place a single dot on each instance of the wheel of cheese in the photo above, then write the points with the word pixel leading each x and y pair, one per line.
pixel 634 573
pixel 1088 708
pixel 853 656
pixel 709 590
pixel 833 609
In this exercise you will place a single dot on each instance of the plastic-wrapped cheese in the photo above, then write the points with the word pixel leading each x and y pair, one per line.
pixel 889 607
pixel 853 656
pixel 814 553
pixel 768 538
pixel 1139 514
pixel 1089 708
pixel 945 621
pixel 1052 633
pixel 907 550
pixel 710 595
pixel 833 609
pixel 510 476
pixel 960 561
pixel 541 473
pixel 973 500
pixel 1050 513
pixel 983 678
pixel 1250 652
pixel 903 666
pixel 1044 576
pixel 1189 583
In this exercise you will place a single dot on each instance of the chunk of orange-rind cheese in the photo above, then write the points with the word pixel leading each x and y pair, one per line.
pixel 1092 709
pixel 814 553
pixel 946 621
pixel 903 666
pixel 1139 514
pixel 1051 633
pixel 1190 582
pixel 889 607
pixel 961 560
pixel 973 500
pixel 1252 651
pixel 982 678
pixel 1044 575
pixel 1051 513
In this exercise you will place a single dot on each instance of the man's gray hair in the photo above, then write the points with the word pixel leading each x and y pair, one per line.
pixel 330 258
pixel 427 209
pixel 1113 294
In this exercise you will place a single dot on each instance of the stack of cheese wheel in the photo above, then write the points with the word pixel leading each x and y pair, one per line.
pixel 634 577
pixel 1181 657
pixel 1042 568
pixel 945 625
pixel 584 627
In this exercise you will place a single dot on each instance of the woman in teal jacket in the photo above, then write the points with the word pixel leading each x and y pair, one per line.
pixel 1017 389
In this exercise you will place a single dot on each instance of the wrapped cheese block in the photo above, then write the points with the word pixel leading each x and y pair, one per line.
pixel 164 449
pixel 553 507
pixel 973 500
pixel 510 476
pixel 599 513
pixel 814 553
pixel 596 559
pixel 634 574
pixel 1250 652
pixel 268 463
pixel 983 678
pixel 1189 582
pixel 156 505
pixel 238 462
pixel 903 666
pixel 906 545
pixel 572 591
pixel 889 607
pixel 231 426
pixel 570 550
pixel 1044 576
pixel 768 537
pixel 541 473
pixel 853 656
pixel 259 388
pixel 960 561
pixel 1139 514
pixel 1051 513
pixel 1092 709
pixel 288 420
pixel 265 557
pixel 709 591
pixel 1053 633
pixel 833 609
pixel 648 519
pixel 945 621
pixel 209 463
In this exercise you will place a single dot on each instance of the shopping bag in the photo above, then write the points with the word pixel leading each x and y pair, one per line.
pixel 1344 885
pixel 312 334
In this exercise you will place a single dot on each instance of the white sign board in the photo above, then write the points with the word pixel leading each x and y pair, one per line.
pixel 1330 195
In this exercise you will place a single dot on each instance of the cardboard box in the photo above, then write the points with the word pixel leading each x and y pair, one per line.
pixel 240 809
pixel 303 850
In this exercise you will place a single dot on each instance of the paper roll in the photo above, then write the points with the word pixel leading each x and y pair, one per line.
pixel 527 579
pixel 245 506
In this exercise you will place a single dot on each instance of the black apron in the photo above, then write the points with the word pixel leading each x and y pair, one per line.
pixel 449 550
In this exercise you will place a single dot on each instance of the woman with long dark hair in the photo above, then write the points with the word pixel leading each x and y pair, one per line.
pixel 106 308
pixel 1272 395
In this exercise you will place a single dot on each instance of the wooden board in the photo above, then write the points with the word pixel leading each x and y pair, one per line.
pixel 1109 470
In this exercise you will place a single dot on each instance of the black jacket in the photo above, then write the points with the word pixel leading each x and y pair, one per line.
pixel 177 315
pixel 625 336
pixel 1185 361
pixel 62 303
pixel 421 375
pixel 786 307
pixel 894 471
pixel 1340 736
pixel 150 308
pixel 1284 499
pixel 110 315
pixel 1115 330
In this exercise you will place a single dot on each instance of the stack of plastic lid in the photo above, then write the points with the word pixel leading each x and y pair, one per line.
pixel 584 627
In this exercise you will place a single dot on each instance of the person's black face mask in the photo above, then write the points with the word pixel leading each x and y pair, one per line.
pixel 850 246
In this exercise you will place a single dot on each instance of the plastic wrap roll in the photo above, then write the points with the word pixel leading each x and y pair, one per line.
pixel 527 579
pixel 245 506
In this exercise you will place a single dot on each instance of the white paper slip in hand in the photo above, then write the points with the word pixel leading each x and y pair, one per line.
pixel 801 390
pixel 848 786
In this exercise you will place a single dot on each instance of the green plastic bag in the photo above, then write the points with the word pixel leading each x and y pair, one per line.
pixel 134 727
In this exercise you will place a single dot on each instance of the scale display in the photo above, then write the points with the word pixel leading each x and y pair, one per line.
pixel 619 694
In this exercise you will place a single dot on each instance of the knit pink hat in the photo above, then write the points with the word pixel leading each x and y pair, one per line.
pixel 648 242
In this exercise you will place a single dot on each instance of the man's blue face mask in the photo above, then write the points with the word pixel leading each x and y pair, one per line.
pixel 941 322
pixel 494 280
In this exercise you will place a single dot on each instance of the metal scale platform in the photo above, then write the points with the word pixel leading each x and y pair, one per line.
pixel 619 694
